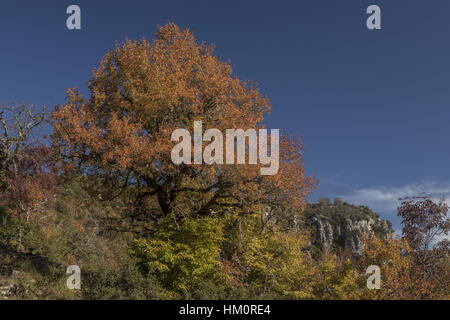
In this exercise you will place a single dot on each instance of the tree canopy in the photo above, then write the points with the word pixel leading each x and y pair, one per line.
pixel 140 93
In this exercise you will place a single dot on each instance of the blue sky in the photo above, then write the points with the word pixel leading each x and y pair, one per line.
pixel 372 106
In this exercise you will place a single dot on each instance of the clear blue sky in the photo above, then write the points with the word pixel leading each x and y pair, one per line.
pixel 373 107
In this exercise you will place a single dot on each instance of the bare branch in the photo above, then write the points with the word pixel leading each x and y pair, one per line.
pixel 17 126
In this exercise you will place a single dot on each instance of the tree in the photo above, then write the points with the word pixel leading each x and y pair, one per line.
pixel 182 255
pixel 32 183
pixel 400 279
pixel 17 125
pixel 141 92
pixel 269 263
pixel 324 202
pixel 338 202
pixel 335 279
pixel 424 221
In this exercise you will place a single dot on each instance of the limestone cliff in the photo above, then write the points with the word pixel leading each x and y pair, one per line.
pixel 340 225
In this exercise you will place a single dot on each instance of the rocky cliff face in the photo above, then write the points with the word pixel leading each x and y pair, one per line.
pixel 347 233
pixel 340 225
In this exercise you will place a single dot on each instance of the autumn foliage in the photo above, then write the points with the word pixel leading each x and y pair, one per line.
pixel 104 194
pixel 32 182
pixel 144 90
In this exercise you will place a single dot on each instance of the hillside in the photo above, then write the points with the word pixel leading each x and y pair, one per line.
pixel 339 225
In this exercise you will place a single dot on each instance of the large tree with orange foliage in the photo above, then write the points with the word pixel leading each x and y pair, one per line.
pixel 140 93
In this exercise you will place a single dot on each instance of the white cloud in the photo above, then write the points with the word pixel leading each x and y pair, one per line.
pixel 385 199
